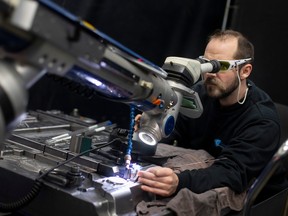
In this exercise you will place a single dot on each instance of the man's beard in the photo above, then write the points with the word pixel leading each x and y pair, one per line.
pixel 216 90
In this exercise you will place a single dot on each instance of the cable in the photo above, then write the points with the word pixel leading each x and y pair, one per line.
pixel 239 88
pixel 131 130
pixel 76 156
pixel 128 157
pixel 16 205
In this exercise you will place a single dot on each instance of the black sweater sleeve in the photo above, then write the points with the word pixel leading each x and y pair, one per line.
pixel 242 159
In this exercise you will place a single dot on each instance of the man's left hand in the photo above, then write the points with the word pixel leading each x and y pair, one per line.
pixel 158 180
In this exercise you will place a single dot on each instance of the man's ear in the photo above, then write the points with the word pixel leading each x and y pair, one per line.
pixel 245 71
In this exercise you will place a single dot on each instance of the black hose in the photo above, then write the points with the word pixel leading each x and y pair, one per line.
pixel 20 203
pixel 73 86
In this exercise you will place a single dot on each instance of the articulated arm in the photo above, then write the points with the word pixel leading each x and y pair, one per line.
pixel 38 37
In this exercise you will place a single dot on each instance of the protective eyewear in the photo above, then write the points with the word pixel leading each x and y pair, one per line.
pixel 228 64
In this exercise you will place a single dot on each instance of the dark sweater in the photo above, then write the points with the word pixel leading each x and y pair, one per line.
pixel 245 135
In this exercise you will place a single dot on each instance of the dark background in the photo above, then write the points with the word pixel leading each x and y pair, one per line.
pixel 156 29
pixel 265 23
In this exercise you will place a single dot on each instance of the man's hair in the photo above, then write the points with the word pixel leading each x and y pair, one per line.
pixel 245 47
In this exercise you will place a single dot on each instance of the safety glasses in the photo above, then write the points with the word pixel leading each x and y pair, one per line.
pixel 228 64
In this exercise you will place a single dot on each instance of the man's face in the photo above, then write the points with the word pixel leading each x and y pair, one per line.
pixel 224 83
pixel 220 86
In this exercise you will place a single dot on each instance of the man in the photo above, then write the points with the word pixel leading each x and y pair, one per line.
pixel 239 126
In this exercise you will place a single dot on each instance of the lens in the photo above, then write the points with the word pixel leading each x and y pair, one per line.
pixel 224 65
pixel 147 138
